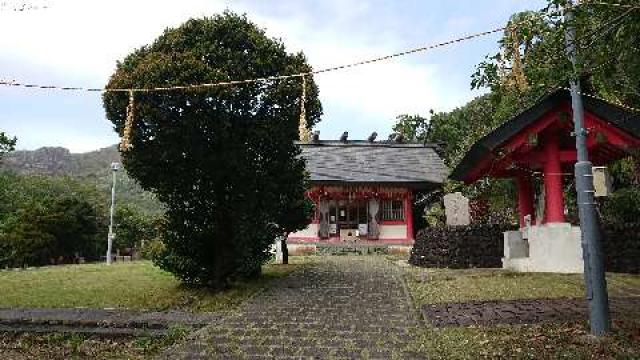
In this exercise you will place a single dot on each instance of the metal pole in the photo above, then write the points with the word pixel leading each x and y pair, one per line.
pixel 114 170
pixel 594 274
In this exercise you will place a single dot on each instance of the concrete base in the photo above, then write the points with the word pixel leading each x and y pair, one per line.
pixel 552 247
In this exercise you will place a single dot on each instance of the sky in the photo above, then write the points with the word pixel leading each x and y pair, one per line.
pixel 77 43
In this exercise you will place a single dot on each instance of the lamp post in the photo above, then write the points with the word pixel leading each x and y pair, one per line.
pixel 595 280
pixel 114 170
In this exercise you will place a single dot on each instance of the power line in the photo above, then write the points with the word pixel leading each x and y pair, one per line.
pixel 298 75
pixel 20 6
pixel 611 102
pixel 268 78
pixel 626 6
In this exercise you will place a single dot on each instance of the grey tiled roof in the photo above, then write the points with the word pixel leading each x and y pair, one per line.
pixel 380 162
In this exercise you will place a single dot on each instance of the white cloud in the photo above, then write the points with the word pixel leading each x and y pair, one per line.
pixel 77 42
pixel 375 91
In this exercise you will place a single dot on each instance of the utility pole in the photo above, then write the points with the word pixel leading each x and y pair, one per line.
pixel 114 170
pixel 594 274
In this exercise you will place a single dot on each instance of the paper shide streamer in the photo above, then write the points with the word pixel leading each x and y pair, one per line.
pixel 303 129
pixel 125 144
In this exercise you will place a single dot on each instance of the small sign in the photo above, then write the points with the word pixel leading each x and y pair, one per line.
pixel 333 228
pixel 601 181
pixel 362 229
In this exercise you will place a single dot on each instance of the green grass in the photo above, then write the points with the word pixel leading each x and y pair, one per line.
pixel 63 346
pixel 134 285
pixel 430 286
pixel 538 341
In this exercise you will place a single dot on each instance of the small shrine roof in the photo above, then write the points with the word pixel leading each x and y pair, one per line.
pixel 413 165
pixel 615 118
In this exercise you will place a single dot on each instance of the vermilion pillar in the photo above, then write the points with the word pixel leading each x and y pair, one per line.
pixel 554 197
pixel 525 198
pixel 409 214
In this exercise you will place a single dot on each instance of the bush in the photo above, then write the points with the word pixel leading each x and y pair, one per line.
pixel 152 249
pixel 622 207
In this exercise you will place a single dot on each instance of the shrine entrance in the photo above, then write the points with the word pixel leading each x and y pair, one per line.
pixel 350 218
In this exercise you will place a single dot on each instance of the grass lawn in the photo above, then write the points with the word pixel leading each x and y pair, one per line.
pixel 538 341
pixel 133 285
pixel 63 346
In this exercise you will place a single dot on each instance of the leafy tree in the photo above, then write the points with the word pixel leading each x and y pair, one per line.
pixel 7 144
pixel 43 219
pixel 609 68
pixel 530 63
pixel 221 159
pixel 133 227
pixel 413 128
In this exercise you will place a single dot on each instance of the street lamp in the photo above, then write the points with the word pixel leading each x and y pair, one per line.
pixel 114 169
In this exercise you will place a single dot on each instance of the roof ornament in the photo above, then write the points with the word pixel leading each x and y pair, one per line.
pixel 399 138
pixel 316 136
pixel 372 137
pixel 303 128
pixel 125 143
pixel 344 137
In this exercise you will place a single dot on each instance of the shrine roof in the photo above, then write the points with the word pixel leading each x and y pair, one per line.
pixel 384 162
pixel 614 116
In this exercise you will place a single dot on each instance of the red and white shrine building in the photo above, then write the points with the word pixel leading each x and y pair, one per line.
pixel 538 145
pixel 364 190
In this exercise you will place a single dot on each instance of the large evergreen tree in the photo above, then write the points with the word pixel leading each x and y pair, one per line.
pixel 221 159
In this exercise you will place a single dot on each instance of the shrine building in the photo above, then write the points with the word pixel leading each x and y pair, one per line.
pixel 538 146
pixel 364 189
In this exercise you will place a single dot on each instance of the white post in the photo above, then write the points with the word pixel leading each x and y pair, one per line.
pixel 114 170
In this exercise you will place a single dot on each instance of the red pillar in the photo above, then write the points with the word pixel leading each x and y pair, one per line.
pixel 409 215
pixel 554 196
pixel 525 198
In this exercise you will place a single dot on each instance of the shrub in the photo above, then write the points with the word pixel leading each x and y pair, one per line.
pixel 152 249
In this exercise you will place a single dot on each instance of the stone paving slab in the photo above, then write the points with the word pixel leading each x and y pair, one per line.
pixel 100 319
pixel 524 311
pixel 340 308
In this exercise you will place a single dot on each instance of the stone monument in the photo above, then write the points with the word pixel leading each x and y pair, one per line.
pixel 456 208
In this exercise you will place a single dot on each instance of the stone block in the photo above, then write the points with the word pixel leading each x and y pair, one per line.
pixel 515 246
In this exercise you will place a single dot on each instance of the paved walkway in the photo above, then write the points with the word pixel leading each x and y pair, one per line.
pixel 340 308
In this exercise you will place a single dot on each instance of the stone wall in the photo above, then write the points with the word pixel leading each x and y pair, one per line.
pixel 621 245
pixel 476 245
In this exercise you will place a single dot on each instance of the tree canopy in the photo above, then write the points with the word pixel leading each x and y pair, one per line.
pixel 530 63
pixel 46 220
pixel 223 159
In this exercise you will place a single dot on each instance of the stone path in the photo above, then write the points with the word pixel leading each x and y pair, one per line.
pixel 340 308
pixel 525 311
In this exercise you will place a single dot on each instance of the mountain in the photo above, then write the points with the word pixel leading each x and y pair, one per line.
pixel 92 167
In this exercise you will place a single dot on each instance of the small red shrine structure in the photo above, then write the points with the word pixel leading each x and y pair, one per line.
pixel 364 190
pixel 538 143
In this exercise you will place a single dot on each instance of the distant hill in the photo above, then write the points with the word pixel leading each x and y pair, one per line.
pixel 92 167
